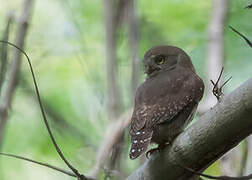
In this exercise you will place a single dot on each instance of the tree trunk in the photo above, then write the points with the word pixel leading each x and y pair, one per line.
pixel 133 45
pixel 114 100
pixel 215 50
pixel 4 53
pixel 15 66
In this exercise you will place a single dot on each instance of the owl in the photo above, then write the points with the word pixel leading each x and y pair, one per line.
pixel 166 101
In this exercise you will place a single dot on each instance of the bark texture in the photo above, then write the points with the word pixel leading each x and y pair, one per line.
pixel 216 132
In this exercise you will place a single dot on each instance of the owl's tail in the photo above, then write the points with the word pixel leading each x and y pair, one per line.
pixel 139 142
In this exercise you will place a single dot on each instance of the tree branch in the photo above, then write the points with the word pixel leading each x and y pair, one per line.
pixel 216 132
pixel 220 177
pixel 244 37
pixel 40 163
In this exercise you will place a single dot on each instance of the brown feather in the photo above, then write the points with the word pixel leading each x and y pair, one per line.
pixel 165 102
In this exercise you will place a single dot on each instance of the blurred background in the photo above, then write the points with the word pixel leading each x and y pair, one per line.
pixel 87 60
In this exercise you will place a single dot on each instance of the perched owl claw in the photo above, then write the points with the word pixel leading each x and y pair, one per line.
pixel 159 148
pixel 151 151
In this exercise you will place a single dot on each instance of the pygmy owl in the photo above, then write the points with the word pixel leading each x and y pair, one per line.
pixel 167 100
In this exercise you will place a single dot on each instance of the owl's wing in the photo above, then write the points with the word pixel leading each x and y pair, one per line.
pixel 155 104
pixel 162 107
pixel 140 136
pixel 147 116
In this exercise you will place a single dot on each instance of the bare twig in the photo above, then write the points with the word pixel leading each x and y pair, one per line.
pixel 40 163
pixel 75 171
pixel 62 124
pixel 218 177
pixel 217 91
pixel 244 37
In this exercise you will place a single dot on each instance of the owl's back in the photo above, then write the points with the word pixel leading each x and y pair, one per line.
pixel 164 104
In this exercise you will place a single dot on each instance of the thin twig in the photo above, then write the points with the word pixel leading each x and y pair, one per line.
pixel 226 82
pixel 61 123
pixel 40 163
pixel 244 37
pixel 217 91
pixel 75 171
pixel 218 177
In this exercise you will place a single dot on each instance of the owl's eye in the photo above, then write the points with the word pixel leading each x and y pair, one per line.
pixel 160 60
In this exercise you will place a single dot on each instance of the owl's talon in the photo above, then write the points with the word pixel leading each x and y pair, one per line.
pixel 151 151
pixel 159 148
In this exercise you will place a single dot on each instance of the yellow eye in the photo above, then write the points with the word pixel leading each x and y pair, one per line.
pixel 160 60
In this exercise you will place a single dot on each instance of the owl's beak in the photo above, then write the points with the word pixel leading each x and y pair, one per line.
pixel 150 66
pixel 150 69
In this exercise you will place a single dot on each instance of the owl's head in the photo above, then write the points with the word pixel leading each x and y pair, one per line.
pixel 165 58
